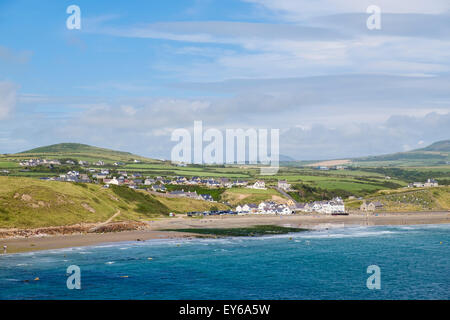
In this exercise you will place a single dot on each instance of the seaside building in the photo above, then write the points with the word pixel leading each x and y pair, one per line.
pixel 334 206
pixel 371 206
pixel 268 207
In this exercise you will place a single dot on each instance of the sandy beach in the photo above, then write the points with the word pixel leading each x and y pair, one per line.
pixel 154 230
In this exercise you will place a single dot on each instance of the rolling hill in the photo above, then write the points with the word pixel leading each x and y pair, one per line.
pixel 435 154
pixel 440 146
pixel 79 151
pixel 33 203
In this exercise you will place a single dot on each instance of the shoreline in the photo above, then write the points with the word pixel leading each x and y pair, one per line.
pixel 154 228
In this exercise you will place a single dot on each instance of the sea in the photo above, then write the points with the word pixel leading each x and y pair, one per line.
pixel 374 262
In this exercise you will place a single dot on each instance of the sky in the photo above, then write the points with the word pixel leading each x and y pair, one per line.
pixel 137 70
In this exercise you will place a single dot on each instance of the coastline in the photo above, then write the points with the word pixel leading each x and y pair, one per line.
pixel 153 229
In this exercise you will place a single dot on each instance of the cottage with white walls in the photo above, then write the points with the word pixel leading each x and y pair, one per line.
pixel 258 185
pixel 284 185
pixel 268 207
pixel 335 205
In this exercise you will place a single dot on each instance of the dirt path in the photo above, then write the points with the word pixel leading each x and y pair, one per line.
pixel 105 223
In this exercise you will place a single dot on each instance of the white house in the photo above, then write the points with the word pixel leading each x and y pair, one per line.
pixel 283 184
pixel 326 207
pixel 430 183
pixel 247 208
pixel 283 209
pixel 113 181
pixel 258 185
pixel 268 207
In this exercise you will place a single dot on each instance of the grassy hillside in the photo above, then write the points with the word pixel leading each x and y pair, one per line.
pixel 31 203
pixel 177 205
pixel 237 196
pixel 78 152
pixel 404 200
pixel 437 153
pixel 27 202
pixel 440 146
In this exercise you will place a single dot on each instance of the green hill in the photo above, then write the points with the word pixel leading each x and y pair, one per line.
pixel 440 146
pixel 74 147
pixel 436 154
pixel 79 152
pixel 29 203
pixel 33 203
pixel 409 200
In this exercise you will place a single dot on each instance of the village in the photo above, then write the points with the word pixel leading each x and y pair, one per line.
pixel 179 187
pixel 158 185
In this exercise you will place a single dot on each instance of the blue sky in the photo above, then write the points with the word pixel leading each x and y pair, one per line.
pixel 136 71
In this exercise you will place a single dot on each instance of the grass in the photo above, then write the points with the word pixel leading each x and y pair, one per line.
pixel 144 203
pixel 404 200
pixel 79 152
pixel 260 230
pixel 237 196
pixel 33 203
pixel 215 193
pixel 8 165
pixel 183 205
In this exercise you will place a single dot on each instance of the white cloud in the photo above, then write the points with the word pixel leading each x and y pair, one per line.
pixel 7 98
pixel 398 133
pixel 298 9
pixel 10 56
pixel 331 45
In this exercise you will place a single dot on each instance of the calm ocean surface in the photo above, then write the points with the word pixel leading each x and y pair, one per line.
pixel 329 264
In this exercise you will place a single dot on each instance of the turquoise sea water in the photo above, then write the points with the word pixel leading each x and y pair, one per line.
pixel 328 264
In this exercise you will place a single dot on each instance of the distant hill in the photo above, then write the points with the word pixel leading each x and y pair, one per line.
pixel 80 152
pixel 437 153
pixel 73 148
pixel 441 146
